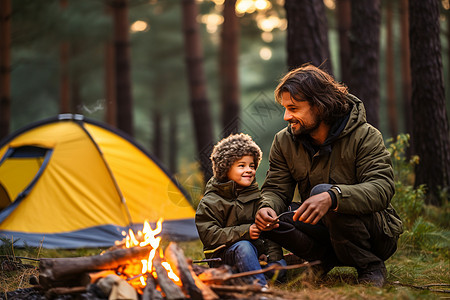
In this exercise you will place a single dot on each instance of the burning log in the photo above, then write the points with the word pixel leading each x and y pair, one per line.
pixel 150 291
pixel 170 289
pixel 191 283
pixel 56 272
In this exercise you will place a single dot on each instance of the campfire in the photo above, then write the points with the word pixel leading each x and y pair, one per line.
pixel 138 268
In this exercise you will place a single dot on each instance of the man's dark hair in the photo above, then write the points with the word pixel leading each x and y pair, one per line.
pixel 309 83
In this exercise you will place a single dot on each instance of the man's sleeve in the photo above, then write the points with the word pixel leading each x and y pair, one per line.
pixel 375 187
pixel 279 186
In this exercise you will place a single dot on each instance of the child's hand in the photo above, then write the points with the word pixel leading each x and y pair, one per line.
pixel 254 232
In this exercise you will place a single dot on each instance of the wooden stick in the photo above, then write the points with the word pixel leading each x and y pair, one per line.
pixel 170 289
pixel 59 271
pixel 226 277
pixel 195 288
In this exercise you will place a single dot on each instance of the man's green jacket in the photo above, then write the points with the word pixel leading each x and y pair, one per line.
pixel 356 162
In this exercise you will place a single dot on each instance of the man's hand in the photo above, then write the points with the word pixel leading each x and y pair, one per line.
pixel 254 232
pixel 313 208
pixel 266 219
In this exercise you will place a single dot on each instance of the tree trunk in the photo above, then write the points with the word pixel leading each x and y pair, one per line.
pixel 110 80
pixel 110 89
pixel 157 134
pixel 5 67
pixel 123 76
pixel 64 106
pixel 307 40
pixel 406 73
pixel 344 21
pixel 197 86
pixel 430 127
pixel 365 43
pixel 173 145
pixel 390 78
pixel 77 71
pixel 229 69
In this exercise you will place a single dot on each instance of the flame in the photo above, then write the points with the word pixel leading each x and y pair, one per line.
pixel 148 236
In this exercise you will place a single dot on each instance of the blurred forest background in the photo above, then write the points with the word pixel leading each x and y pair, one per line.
pixel 178 75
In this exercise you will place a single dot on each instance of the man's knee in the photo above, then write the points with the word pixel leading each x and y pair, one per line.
pixel 320 188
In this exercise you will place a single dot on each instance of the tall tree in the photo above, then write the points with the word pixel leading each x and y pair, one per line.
pixel 344 21
pixel 228 66
pixel 390 66
pixel 5 67
pixel 406 71
pixel 64 89
pixel 199 102
pixel 123 72
pixel 110 89
pixel 173 144
pixel 365 43
pixel 430 127
pixel 110 79
pixel 307 34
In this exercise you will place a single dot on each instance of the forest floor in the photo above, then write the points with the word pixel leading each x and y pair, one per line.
pixel 411 275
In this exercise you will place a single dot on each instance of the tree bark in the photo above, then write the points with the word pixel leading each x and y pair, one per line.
pixel 307 34
pixel 365 43
pixel 123 73
pixel 390 78
pixel 229 69
pixel 430 127
pixel 197 86
pixel 406 73
pixel 344 21
pixel 5 67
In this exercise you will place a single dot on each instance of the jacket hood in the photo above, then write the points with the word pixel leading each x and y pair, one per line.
pixel 228 190
pixel 357 115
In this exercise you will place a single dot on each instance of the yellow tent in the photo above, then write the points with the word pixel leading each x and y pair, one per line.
pixel 70 182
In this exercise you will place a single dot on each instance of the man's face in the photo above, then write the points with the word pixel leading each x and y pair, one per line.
pixel 302 117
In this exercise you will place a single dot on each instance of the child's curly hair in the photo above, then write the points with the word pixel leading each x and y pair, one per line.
pixel 229 150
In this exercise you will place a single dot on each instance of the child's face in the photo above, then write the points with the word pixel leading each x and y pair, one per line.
pixel 243 171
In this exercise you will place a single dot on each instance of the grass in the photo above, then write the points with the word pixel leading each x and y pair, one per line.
pixel 409 270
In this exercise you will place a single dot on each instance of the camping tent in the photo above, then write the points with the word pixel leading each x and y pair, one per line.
pixel 70 182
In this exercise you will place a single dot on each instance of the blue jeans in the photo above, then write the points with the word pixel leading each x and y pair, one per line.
pixel 244 256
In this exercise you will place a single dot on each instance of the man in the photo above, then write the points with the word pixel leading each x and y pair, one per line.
pixel 344 176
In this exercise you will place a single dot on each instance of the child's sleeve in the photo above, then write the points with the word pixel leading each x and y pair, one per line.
pixel 211 231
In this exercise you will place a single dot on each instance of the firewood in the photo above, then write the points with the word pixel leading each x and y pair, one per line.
pixel 170 289
pixel 51 293
pixel 93 277
pixel 193 286
pixel 56 272
pixel 150 291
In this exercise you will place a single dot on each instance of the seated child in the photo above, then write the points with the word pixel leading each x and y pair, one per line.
pixel 225 215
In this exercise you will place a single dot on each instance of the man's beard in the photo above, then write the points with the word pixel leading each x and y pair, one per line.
pixel 304 129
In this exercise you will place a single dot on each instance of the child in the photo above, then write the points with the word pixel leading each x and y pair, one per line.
pixel 225 216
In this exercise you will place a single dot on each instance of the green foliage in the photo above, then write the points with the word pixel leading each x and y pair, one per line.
pixel 7 246
pixel 427 237
pixel 425 226
pixel 408 201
